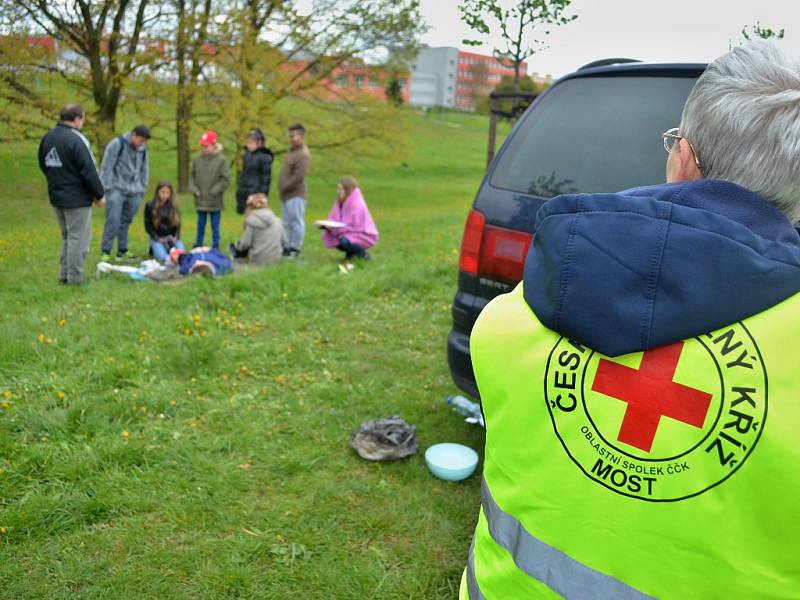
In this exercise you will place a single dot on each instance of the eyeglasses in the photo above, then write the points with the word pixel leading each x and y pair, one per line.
pixel 671 136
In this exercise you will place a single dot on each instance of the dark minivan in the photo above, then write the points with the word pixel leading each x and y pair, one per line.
pixel 596 130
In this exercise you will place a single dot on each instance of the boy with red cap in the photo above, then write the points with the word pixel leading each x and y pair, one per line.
pixel 210 176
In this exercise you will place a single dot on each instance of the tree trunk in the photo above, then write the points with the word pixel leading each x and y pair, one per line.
pixel 183 123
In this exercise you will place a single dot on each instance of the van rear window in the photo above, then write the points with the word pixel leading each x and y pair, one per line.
pixel 594 134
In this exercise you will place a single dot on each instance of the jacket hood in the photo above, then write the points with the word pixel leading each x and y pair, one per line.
pixel 216 150
pixel 637 269
pixel 127 138
pixel 260 218
pixel 263 150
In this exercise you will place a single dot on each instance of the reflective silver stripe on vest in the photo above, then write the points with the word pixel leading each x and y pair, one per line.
pixel 472 583
pixel 558 571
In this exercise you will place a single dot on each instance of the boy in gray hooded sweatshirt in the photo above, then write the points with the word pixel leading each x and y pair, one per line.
pixel 124 173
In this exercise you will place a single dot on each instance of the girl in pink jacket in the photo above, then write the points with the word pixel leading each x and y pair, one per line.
pixel 349 226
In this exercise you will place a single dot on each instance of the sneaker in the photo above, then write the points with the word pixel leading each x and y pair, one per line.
pixel 105 257
pixel 127 256
pixel 292 253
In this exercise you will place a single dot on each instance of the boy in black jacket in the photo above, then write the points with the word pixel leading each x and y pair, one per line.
pixel 257 170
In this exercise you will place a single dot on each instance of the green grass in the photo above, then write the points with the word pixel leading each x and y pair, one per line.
pixel 191 441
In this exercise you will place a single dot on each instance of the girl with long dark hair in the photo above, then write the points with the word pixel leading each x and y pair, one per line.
pixel 162 220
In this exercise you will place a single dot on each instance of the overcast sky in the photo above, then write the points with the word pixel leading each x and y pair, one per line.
pixel 652 30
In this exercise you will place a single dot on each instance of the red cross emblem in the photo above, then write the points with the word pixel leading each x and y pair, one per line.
pixel 651 394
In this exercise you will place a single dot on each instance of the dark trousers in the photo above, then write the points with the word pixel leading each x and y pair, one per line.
pixel 202 216
pixel 350 249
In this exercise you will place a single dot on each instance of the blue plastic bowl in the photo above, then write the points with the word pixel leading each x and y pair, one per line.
pixel 451 462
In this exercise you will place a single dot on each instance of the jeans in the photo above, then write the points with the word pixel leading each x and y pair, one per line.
pixel 76 233
pixel 120 210
pixel 294 225
pixel 202 216
pixel 161 251
pixel 350 249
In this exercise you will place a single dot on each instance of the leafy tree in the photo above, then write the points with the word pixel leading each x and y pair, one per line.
pixel 765 33
pixel 106 45
pixel 192 54
pixel 506 84
pixel 518 25
pixel 394 91
pixel 276 65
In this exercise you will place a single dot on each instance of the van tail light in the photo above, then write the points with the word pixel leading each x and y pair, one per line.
pixel 471 243
pixel 503 254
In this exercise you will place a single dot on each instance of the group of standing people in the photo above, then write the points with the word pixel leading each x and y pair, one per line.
pixel 74 184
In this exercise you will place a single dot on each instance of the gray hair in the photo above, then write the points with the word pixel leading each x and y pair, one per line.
pixel 743 119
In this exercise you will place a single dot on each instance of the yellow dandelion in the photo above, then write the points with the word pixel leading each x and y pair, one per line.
pixel 44 319
pixel 62 322
pixel 5 404
pixel 7 394
pixel 60 395
pixel 233 317
pixel 3 530
pixel 125 434
pixel 41 338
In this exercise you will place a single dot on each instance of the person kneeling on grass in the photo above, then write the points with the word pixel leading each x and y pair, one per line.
pixel 349 226
pixel 162 221
pixel 263 232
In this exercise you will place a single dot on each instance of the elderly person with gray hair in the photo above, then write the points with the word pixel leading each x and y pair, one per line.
pixel 639 387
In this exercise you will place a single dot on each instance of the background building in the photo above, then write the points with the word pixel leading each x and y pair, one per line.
pixel 453 78
pixel 478 75
pixel 433 77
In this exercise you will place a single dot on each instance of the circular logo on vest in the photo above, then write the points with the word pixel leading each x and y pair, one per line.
pixel 661 425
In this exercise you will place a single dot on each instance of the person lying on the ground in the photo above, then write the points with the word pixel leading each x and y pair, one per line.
pixel 349 226
pixel 201 260
pixel 162 221
pixel 263 232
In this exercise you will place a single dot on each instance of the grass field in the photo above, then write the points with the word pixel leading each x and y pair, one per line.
pixel 191 441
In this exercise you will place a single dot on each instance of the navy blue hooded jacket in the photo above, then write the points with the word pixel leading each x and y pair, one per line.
pixel 644 267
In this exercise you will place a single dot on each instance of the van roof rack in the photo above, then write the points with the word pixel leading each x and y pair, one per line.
pixel 604 62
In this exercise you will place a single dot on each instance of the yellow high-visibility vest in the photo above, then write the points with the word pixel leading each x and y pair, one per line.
pixel 669 473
